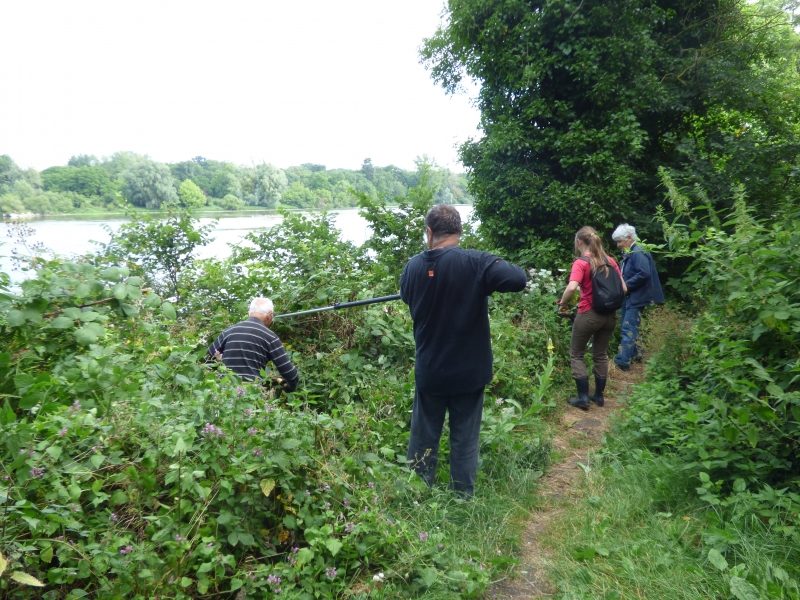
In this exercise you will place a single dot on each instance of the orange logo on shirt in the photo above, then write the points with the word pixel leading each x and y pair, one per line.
pixel 430 273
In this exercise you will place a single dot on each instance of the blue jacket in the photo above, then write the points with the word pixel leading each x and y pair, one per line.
pixel 641 277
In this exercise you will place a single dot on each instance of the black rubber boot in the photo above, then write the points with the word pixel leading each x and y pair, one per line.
pixel 582 401
pixel 599 387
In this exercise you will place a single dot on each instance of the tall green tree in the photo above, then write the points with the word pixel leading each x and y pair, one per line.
pixel 149 184
pixel 368 169
pixel 83 160
pixel 190 195
pixel 226 181
pixel 266 182
pixel 84 180
pixel 581 103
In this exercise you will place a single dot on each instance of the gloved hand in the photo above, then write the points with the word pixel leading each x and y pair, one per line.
pixel 281 382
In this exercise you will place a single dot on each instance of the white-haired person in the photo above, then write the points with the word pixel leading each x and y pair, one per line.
pixel 247 347
pixel 644 288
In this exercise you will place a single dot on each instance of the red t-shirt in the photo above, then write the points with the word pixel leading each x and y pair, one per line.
pixel 582 273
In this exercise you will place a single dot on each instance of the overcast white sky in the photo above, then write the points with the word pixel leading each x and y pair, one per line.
pixel 322 81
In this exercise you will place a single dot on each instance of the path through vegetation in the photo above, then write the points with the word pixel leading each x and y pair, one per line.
pixel 577 434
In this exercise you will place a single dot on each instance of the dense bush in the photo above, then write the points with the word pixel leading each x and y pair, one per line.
pixel 726 397
pixel 131 469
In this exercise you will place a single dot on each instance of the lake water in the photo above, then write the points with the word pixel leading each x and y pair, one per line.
pixel 67 236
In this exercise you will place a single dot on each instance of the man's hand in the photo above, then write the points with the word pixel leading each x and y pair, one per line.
pixel 281 382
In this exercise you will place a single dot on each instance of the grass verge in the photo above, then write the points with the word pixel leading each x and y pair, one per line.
pixel 639 531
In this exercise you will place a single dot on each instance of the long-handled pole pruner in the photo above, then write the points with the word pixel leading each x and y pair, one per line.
pixel 341 305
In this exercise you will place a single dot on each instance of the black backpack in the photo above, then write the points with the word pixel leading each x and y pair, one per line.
pixel 607 292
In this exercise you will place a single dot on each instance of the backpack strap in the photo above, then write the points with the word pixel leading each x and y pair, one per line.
pixel 588 260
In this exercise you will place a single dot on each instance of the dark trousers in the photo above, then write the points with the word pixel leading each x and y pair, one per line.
pixel 591 325
pixel 629 348
pixel 427 420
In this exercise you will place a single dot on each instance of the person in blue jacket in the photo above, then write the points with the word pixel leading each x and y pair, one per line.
pixel 644 288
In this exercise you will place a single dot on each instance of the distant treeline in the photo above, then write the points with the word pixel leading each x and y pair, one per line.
pixel 89 184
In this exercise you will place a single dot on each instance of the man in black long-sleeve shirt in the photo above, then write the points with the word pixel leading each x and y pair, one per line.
pixel 247 347
pixel 447 289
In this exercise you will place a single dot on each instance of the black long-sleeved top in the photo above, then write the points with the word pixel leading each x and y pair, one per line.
pixel 447 292
pixel 247 347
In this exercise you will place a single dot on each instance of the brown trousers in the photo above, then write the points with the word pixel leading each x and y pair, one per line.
pixel 591 325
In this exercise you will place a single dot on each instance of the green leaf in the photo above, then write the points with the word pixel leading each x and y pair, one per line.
pixel 205 567
pixel 8 415
pixel 180 446
pixel 333 545
pixel 775 390
pixel 119 291
pixel 233 538
pixel 304 555
pixel 26 579
pixel 3 563
pixel 169 311
pixel 152 301
pixel 716 559
pixel 428 576
pixel 752 436
pixel 82 290
pixel 54 451
pixel 236 584
pixel 89 333
pixel 74 492
pixel 72 313
pixel 15 318
pixel 62 323
pixel 33 315
pixel 743 590
pixel 97 460
pixel 109 274
pixel 129 309
pixel 185 582
pixel 88 316
pixel 136 281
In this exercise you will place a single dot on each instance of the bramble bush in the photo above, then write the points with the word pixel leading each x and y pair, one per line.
pixel 133 469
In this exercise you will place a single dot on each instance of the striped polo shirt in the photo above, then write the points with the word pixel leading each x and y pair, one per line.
pixel 247 347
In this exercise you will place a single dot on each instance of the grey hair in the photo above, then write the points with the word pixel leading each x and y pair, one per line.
pixel 443 220
pixel 261 306
pixel 624 231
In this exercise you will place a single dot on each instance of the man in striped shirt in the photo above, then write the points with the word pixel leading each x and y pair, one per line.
pixel 247 346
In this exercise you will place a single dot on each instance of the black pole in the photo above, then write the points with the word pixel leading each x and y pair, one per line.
pixel 341 305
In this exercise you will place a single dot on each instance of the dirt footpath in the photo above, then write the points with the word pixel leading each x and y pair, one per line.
pixel 579 433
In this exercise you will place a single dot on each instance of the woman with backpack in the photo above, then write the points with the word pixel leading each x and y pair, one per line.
pixel 602 293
